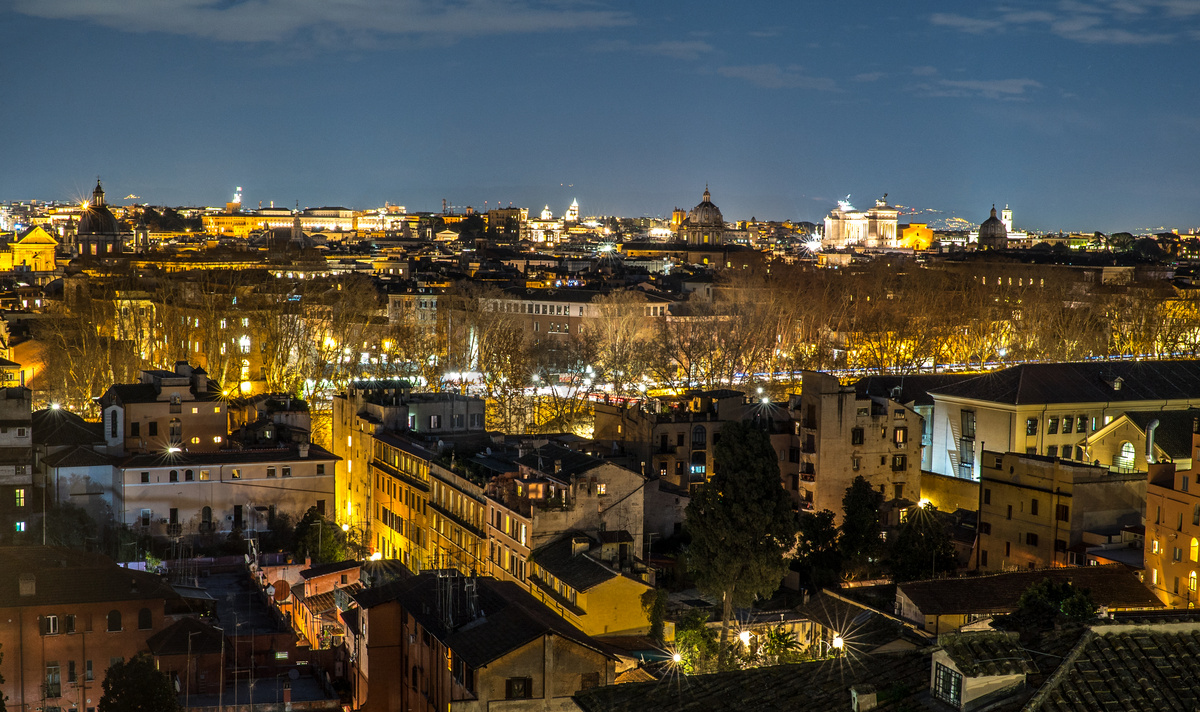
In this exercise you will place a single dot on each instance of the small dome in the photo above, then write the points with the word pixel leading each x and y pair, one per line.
pixel 705 213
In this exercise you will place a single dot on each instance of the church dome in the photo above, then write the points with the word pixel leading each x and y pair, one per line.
pixel 706 213
pixel 992 232
pixel 97 219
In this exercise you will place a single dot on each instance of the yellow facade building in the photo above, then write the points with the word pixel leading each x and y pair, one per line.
pixel 31 251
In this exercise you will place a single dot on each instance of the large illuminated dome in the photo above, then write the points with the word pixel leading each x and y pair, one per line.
pixel 704 224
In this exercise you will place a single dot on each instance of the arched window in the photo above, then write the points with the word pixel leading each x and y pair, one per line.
pixel 145 620
pixel 174 475
pixel 1124 460
pixel 188 475
pixel 1192 581
pixel 114 621
pixel 206 515
pixel 699 435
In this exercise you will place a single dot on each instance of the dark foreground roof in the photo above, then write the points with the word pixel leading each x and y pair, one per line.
pixel 1087 382
pixel 1127 668
pixel 821 685
pixel 1113 586
pixel 184 637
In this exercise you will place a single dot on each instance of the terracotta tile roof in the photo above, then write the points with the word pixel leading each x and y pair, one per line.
pixel 1127 668
pixel 816 686
pixel 67 576
pixel 987 654
pixel 1113 586
pixel 862 627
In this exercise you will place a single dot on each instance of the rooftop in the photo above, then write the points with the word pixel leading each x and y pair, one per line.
pixel 1082 382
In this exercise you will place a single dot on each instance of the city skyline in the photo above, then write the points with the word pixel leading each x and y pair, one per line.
pixel 1077 114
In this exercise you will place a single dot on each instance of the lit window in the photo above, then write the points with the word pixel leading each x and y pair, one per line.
pixel 20 526
pixel 196 441
pixel 601 488
pixel 195 410
pixel 20 497
pixel 217 409
pixel 216 438
pixel 236 474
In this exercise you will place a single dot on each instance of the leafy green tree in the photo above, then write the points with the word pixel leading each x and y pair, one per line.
pixel 654 603
pixel 137 686
pixel 922 549
pixel 320 538
pixel 1120 241
pixel 860 541
pixel 695 642
pixel 818 557
pixel 741 523
pixel 1045 603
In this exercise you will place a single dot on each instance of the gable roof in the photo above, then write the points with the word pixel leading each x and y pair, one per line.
pixel 186 636
pixel 1083 382
pixel 507 617
pixel 1112 586
pixel 987 654
pixel 1126 668
pixel 1174 431
pixel 579 571
pixel 861 627
pixel 64 576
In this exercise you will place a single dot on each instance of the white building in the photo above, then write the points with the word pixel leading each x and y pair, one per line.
pixel 847 227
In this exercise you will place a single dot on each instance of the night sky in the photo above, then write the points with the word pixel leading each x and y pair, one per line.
pixel 1080 115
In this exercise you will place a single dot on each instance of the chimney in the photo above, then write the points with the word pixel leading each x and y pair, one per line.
pixel 579 544
pixel 303 450
pixel 1150 441
pixel 863 698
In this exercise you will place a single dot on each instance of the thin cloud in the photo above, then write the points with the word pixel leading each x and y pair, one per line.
pixel 924 71
pixel 326 21
pixel 868 77
pixel 1115 22
pixel 772 76
pixel 675 49
pixel 986 88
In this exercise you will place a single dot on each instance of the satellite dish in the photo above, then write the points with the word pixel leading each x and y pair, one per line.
pixel 281 591
pixel 271 591
pixel 294 674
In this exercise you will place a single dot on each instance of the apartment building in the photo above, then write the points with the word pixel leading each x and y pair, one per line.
pixel 1034 510
pixel 165 412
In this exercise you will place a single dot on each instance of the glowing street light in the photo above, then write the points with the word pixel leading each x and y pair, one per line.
pixel 676 658
pixel 744 636
pixel 838 642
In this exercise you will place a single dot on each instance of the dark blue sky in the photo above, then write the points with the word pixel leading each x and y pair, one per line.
pixel 1081 115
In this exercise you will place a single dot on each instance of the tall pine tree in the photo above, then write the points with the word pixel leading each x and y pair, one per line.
pixel 741 523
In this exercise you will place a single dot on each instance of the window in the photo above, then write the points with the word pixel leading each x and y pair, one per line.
pixel 1031 426
pixel 235 474
pixel 900 436
pixel 53 681
pixel 985 527
pixel 1192 581
pixel 856 436
pixel 287 472
pixel 196 440
pixel 112 420
pixel 175 430
pixel 983 557
pixel 1062 513
pixel 855 463
pixel 1194 550
pixel 1060 545
pixel 1009 516
pixel 966 457
pixel 1033 507
pixel 69 623
pixel 947 685
pixel 188 475
pixel 1081 424
pixel 320 469
pixel 174 475
pixel 899 462
pixel 114 621
pixel 987 496
pixel 19 526
pixel 1007 549
pixel 435 422
pixel 1052 426
pixel 601 488
pixel 135 430
pixel 270 472
pixel 145 620
pixel 71 675
pixel 145 477
pixel 968 424
pixel 87 670
pixel 49 625
pixel 699 436
pixel 1124 460
pixel 1031 539
pixel 145 517
pixel 1176 554
pixel 1068 421
pixel 1052 451
pixel 19 496
pixel 518 688
pixel 153 428
pixel 1183 483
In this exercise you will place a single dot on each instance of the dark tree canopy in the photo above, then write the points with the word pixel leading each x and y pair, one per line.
pixel 137 686
pixel 818 558
pixel 741 522
pixel 1044 604
pixel 922 549
pixel 320 538
pixel 860 541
